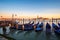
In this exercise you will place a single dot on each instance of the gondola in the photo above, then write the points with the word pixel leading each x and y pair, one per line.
pixel 56 28
pixel 39 27
pixel 13 27
pixel 28 27
pixel 48 28
pixel 59 25
pixel 20 27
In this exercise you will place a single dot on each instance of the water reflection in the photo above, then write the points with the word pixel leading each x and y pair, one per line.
pixel 27 33
pixel 58 37
pixel 7 29
pixel 48 35
pixel 1 30
pixel 18 32
pixel 37 34
pixel 4 30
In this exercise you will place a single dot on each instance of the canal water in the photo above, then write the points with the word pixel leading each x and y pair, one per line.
pixel 32 35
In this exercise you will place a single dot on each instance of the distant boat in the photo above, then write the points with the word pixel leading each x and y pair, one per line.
pixel 56 28
pixel 48 28
pixel 39 27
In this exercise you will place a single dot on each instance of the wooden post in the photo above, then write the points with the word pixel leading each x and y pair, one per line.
pixel 52 20
pixel 23 20
pixel 16 26
pixel 12 24
pixel 22 27
pixel 29 20
pixel 34 27
pixel 56 20
pixel 23 24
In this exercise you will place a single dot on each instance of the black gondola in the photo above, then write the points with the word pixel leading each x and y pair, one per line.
pixel 39 27
pixel 20 27
pixel 56 28
pixel 48 28
pixel 59 25
pixel 28 27
pixel 13 27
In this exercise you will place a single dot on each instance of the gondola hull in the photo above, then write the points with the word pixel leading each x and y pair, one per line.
pixel 56 29
pixel 13 27
pixel 28 27
pixel 20 27
pixel 48 28
pixel 59 25
pixel 39 27
pixel 57 32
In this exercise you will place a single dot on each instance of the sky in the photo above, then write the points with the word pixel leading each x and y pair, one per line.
pixel 30 8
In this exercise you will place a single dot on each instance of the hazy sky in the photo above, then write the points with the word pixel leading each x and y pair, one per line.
pixel 31 8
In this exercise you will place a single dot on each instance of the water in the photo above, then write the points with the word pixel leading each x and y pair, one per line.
pixel 1 30
pixel 32 35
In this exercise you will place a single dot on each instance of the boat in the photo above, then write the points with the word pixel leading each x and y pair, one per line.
pixel 13 27
pixel 20 27
pixel 39 27
pixel 28 27
pixel 59 25
pixel 56 28
pixel 48 28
